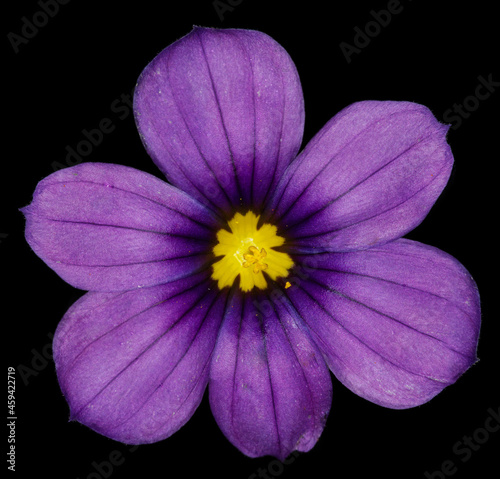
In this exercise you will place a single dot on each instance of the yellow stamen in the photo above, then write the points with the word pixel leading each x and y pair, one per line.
pixel 254 257
pixel 243 251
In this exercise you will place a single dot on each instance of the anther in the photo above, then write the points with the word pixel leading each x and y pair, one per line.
pixel 255 257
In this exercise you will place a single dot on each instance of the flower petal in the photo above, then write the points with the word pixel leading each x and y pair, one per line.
pixel 221 113
pixel 105 227
pixel 133 366
pixel 270 389
pixel 397 323
pixel 369 176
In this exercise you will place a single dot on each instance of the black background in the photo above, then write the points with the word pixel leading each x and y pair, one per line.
pixel 67 77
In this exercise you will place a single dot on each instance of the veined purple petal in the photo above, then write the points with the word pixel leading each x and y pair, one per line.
pixel 221 113
pixel 270 389
pixel 133 366
pixel 397 323
pixel 106 227
pixel 369 176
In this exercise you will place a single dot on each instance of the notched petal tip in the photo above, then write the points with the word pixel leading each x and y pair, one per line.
pixel 368 177
pixel 397 323
pixel 24 210
pixel 270 390
pixel 231 101
pixel 126 364
pixel 106 227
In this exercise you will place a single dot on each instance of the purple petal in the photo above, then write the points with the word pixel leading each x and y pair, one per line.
pixel 397 323
pixel 221 113
pixel 369 176
pixel 106 227
pixel 133 366
pixel 270 390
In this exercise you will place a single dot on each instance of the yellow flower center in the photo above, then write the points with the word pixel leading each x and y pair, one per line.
pixel 248 251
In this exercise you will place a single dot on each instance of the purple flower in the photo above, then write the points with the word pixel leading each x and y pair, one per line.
pixel 254 271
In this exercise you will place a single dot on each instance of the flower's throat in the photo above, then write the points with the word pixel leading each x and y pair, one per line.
pixel 248 251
